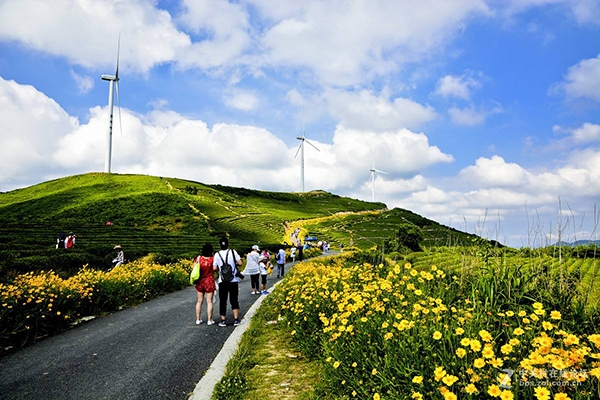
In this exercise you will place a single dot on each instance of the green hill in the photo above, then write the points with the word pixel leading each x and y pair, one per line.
pixel 173 218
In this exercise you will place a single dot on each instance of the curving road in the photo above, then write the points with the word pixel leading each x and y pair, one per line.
pixel 153 351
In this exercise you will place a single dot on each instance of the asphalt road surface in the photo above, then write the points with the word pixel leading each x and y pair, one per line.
pixel 152 351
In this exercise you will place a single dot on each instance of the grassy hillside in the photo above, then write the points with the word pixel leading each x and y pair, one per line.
pixel 171 217
pixel 370 228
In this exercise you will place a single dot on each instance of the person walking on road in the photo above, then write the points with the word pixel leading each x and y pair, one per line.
pixel 263 273
pixel 293 253
pixel 253 269
pixel 206 284
pixel 280 258
pixel 227 260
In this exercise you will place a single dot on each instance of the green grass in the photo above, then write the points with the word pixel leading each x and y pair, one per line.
pixel 166 216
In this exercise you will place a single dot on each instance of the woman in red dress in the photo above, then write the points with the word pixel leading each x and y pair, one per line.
pixel 205 284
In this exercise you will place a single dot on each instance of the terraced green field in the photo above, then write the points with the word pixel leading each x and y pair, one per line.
pixel 166 216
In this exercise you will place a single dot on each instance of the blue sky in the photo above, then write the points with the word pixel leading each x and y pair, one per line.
pixel 484 113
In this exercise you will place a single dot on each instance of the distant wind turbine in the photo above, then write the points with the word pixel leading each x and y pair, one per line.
pixel 303 139
pixel 372 177
pixel 114 80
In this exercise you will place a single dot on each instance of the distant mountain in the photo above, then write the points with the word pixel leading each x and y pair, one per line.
pixel 578 243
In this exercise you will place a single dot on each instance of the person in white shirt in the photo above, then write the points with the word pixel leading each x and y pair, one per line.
pixel 228 289
pixel 253 269
pixel 293 253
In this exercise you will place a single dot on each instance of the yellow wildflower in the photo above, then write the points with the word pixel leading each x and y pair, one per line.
pixel 460 352
pixel 541 393
pixel 479 363
pixel 494 391
pixel 470 389
pixel 555 314
pixel 418 380
pixel 485 336
pixel 437 335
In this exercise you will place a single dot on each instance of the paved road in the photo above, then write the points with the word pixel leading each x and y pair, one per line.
pixel 153 351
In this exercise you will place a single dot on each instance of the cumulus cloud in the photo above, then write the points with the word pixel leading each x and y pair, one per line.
pixel 587 133
pixel 319 37
pixel 582 80
pixel 32 126
pixel 367 111
pixel 224 28
pixel 86 32
pixel 495 171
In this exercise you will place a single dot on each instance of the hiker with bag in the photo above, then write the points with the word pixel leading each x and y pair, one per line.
pixel 205 283
pixel 226 261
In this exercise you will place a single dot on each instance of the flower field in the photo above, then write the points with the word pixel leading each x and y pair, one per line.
pixel 40 304
pixel 393 331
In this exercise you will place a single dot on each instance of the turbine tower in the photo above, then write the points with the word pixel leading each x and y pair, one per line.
pixel 303 139
pixel 114 81
pixel 372 177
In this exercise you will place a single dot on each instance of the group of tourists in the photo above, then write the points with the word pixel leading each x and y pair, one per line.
pixel 65 242
pixel 219 273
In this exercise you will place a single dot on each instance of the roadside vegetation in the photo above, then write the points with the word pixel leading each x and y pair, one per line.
pixel 375 328
pixel 40 304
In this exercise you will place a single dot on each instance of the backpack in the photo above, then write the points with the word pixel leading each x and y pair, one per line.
pixel 60 242
pixel 69 242
pixel 226 268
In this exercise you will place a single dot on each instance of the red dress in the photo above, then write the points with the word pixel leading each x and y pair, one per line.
pixel 206 283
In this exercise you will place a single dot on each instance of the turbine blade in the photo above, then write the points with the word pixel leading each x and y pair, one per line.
pixel 311 144
pixel 119 105
pixel 118 51
pixel 381 172
pixel 298 151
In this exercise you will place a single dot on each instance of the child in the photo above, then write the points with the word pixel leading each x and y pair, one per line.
pixel 263 273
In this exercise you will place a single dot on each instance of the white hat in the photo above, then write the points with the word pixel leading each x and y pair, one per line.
pixel 255 247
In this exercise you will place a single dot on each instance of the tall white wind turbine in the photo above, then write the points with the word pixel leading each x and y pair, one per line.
pixel 372 177
pixel 114 81
pixel 303 139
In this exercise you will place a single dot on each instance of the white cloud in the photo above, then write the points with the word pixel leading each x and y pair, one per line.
pixel 364 110
pixel 32 126
pixel 587 133
pixel 84 83
pixel 344 48
pixel 493 172
pixel 583 80
pixel 86 32
pixel 471 116
pixel 225 28
pixel 242 100
pixel 457 86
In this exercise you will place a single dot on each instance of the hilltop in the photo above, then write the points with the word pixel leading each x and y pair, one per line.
pixel 172 218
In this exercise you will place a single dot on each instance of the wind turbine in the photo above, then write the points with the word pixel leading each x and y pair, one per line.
pixel 303 139
pixel 372 177
pixel 114 80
